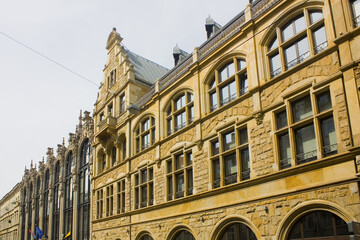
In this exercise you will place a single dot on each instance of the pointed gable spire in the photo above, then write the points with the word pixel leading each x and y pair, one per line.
pixel 113 39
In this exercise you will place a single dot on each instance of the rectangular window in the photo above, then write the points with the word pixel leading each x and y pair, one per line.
pixel 180 185
pixel 245 164
pixel 285 151
pixel 144 188
pixel 301 109
pixel 319 38
pixel 213 101
pixel 180 121
pixel 305 144
pixel 122 103
pixel 121 196
pixel 324 102
pixel 328 137
pixel 275 65
pixel 281 119
pixel 216 173
pixel 179 161
pixel 215 147
pixel 243 84
pixel 230 169
pixel 229 140
pixel 355 5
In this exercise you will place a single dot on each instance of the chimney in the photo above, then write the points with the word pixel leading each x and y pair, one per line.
pixel 179 55
pixel 211 27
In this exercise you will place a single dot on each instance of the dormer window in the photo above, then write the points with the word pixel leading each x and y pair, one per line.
pixel 297 40
pixel 229 82
pixel 110 110
pixel 112 78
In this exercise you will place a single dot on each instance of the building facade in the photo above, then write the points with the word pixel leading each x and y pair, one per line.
pixel 254 135
pixel 55 196
pixel 9 214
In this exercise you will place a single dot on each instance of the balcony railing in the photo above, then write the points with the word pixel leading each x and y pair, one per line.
pixel 231 179
pixel 275 72
pixel 329 150
pixel 189 191
pixel 244 90
pixel 169 131
pixel 145 145
pixel 170 196
pixel 306 157
pixel 298 60
pixel 321 47
pixel 228 99
pixel 216 183
pixel 151 201
pixel 213 107
pixel 179 194
pixel 245 175
pixel 285 163
pixel 144 203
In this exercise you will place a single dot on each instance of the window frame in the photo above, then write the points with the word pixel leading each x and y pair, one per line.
pixel 291 127
pixel 185 110
pixel 220 155
pixel 141 134
pixel 282 45
pixel 217 84
pixel 121 196
pixel 140 184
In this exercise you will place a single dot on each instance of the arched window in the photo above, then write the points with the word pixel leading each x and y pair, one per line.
pixel 68 207
pixel 30 211
pixel 183 235
pixel 228 82
pixel 113 156
pixel 145 134
pixel 319 224
pixel 84 192
pixel 46 203
pixel 56 203
pixel 37 201
pixel 123 146
pixel 146 237
pixel 180 112
pixel 237 231
pixel 297 40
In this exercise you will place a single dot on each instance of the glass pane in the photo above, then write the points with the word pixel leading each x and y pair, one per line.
pixel 169 166
pixel 243 84
pixel 212 83
pixel 180 184
pixel 356 8
pixel 230 165
pixel 315 16
pixel 232 89
pixel 243 136
pixel 303 46
pixel 305 144
pixel 190 97
pixel 241 64
pixel 301 109
pixel 144 176
pixel 216 168
pixel 189 181
pixel 179 161
pixel 146 125
pixel 324 102
pixel 189 159
pixel 325 224
pixel 215 147
pixel 328 136
pixel 319 37
pixel 281 120
pixel 191 114
pixel 213 101
pixel 245 160
pixel 300 24
pixel 287 32
pixel 290 54
pixel 275 65
pixel 227 71
pixel 285 151
pixel 274 44
pixel 229 140
pixel 170 186
pixel 180 102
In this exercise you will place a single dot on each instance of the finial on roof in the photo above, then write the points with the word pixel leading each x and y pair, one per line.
pixel 32 163
pixel 63 141
pixel 114 29
pixel 209 20
pixel 176 49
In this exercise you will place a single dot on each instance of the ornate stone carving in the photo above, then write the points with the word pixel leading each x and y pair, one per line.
pixel 259 117
pixel 199 145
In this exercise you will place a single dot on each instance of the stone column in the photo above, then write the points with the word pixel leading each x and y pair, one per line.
pixel 51 200
pixel 75 209
pixel 62 201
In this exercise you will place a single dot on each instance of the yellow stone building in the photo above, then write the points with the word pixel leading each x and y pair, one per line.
pixel 9 214
pixel 254 135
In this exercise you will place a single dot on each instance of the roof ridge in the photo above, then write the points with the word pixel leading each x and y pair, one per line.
pixel 126 49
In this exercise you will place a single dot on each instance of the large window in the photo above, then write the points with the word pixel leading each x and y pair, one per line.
pixel 229 82
pixel 319 225
pixel 122 103
pixel 144 187
pixel 183 235
pixel 68 206
pixel 109 200
pixel 120 196
pixel 355 7
pixel 56 203
pixel 84 192
pixel 145 134
pixel 297 40
pixel 46 207
pixel 37 201
pixel 237 231
pixel 180 112
pixel 230 156
pixel 296 126
pixel 29 220
pixel 180 175
pixel 99 203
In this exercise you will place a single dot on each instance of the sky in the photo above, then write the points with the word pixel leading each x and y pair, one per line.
pixel 40 101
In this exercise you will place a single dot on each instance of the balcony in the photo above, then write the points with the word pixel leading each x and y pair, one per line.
pixel 306 157
pixel 106 127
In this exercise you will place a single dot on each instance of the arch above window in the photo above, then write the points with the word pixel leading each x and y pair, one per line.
pixel 180 112
pixel 296 40
pixel 228 82
pixel 145 133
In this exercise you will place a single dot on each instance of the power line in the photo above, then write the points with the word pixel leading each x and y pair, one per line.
pixel 49 59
